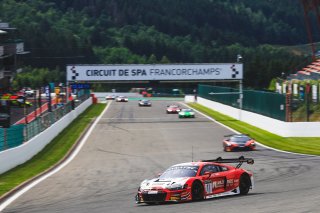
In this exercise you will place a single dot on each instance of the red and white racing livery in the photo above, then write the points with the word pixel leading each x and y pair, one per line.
pixel 197 181
pixel 173 109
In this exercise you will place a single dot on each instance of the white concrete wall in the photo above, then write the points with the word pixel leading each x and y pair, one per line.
pixel 13 157
pixel 284 129
pixel 189 98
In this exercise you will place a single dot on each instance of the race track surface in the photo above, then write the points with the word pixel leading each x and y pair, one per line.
pixel 132 143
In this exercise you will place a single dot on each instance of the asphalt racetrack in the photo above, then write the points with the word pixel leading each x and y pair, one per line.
pixel 132 143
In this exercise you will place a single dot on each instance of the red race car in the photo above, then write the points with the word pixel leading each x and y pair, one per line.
pixel 195 181
pixel 173 109
pixel 238 142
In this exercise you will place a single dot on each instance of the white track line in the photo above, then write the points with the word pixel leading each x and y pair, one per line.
pixel 260 144
pixel 57 169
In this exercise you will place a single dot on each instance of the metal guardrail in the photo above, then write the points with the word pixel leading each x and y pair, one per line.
pixel 18 134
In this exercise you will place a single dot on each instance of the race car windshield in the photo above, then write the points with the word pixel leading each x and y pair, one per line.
pixel 241 139
pixel 187 110
pixel 180 171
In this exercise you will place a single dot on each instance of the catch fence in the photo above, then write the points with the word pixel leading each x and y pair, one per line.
pixel 16 135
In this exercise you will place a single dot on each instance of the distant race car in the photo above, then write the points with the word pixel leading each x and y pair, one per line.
pixel 186 113
pixel 111 97
pixel 121 99
pixel 16 100
pixel 195 181
pixel 238 142
pixel 173 109
pixel 145 102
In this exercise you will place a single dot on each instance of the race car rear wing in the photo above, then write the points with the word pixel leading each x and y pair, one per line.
pixel 239 160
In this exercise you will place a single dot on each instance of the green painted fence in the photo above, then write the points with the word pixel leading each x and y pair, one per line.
pixel 11 137
pixel 265 103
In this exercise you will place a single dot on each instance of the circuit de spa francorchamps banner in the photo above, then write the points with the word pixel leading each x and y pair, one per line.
pixel 141 72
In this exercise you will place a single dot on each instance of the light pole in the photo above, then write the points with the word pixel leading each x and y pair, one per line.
pixel 239 58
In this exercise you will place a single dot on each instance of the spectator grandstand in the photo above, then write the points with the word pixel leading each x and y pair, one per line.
pixel 310 72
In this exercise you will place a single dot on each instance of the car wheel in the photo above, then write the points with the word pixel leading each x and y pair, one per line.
pixel 245 184
pixel 197 191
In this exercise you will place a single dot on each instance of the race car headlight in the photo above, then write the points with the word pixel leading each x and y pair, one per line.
pixel 169 110
pixel 177 186
pixel 144 185
pixel 253 144
pixel 228 144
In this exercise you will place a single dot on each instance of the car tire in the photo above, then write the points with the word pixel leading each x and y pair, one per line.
pixel 197 191
pixel 245 184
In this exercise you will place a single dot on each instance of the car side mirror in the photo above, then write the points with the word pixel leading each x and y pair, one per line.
pixel 207 174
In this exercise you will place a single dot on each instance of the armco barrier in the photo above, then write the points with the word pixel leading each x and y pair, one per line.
pixel 281 128
pixel 11 158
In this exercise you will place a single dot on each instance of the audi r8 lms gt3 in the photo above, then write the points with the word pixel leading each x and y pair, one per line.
pixel 186 113
pixel 111 97
pixel 144 102
pixel 195 181
pixel 121 99
pixel 238 142
pixel 173 109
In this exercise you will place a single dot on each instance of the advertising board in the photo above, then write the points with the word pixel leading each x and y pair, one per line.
pixel 141 72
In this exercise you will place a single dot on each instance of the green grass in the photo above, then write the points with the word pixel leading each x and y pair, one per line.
pixel 292 144
pixel 52 153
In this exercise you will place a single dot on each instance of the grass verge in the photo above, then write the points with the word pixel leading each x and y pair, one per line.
pixel 292 144
pixel 52 153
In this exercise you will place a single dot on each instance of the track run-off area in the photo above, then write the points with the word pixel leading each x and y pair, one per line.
pixel 130 143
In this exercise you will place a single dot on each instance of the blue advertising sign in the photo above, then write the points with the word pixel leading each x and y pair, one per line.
pixel 80 86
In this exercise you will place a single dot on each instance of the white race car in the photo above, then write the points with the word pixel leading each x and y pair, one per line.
pixel 121 99
pixel 145 102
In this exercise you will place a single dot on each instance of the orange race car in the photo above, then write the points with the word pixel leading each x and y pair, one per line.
pixel 238 142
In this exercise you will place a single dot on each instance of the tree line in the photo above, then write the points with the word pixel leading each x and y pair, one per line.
pixel 60 32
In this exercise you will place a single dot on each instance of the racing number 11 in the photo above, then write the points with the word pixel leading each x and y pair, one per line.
pixel 209 187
